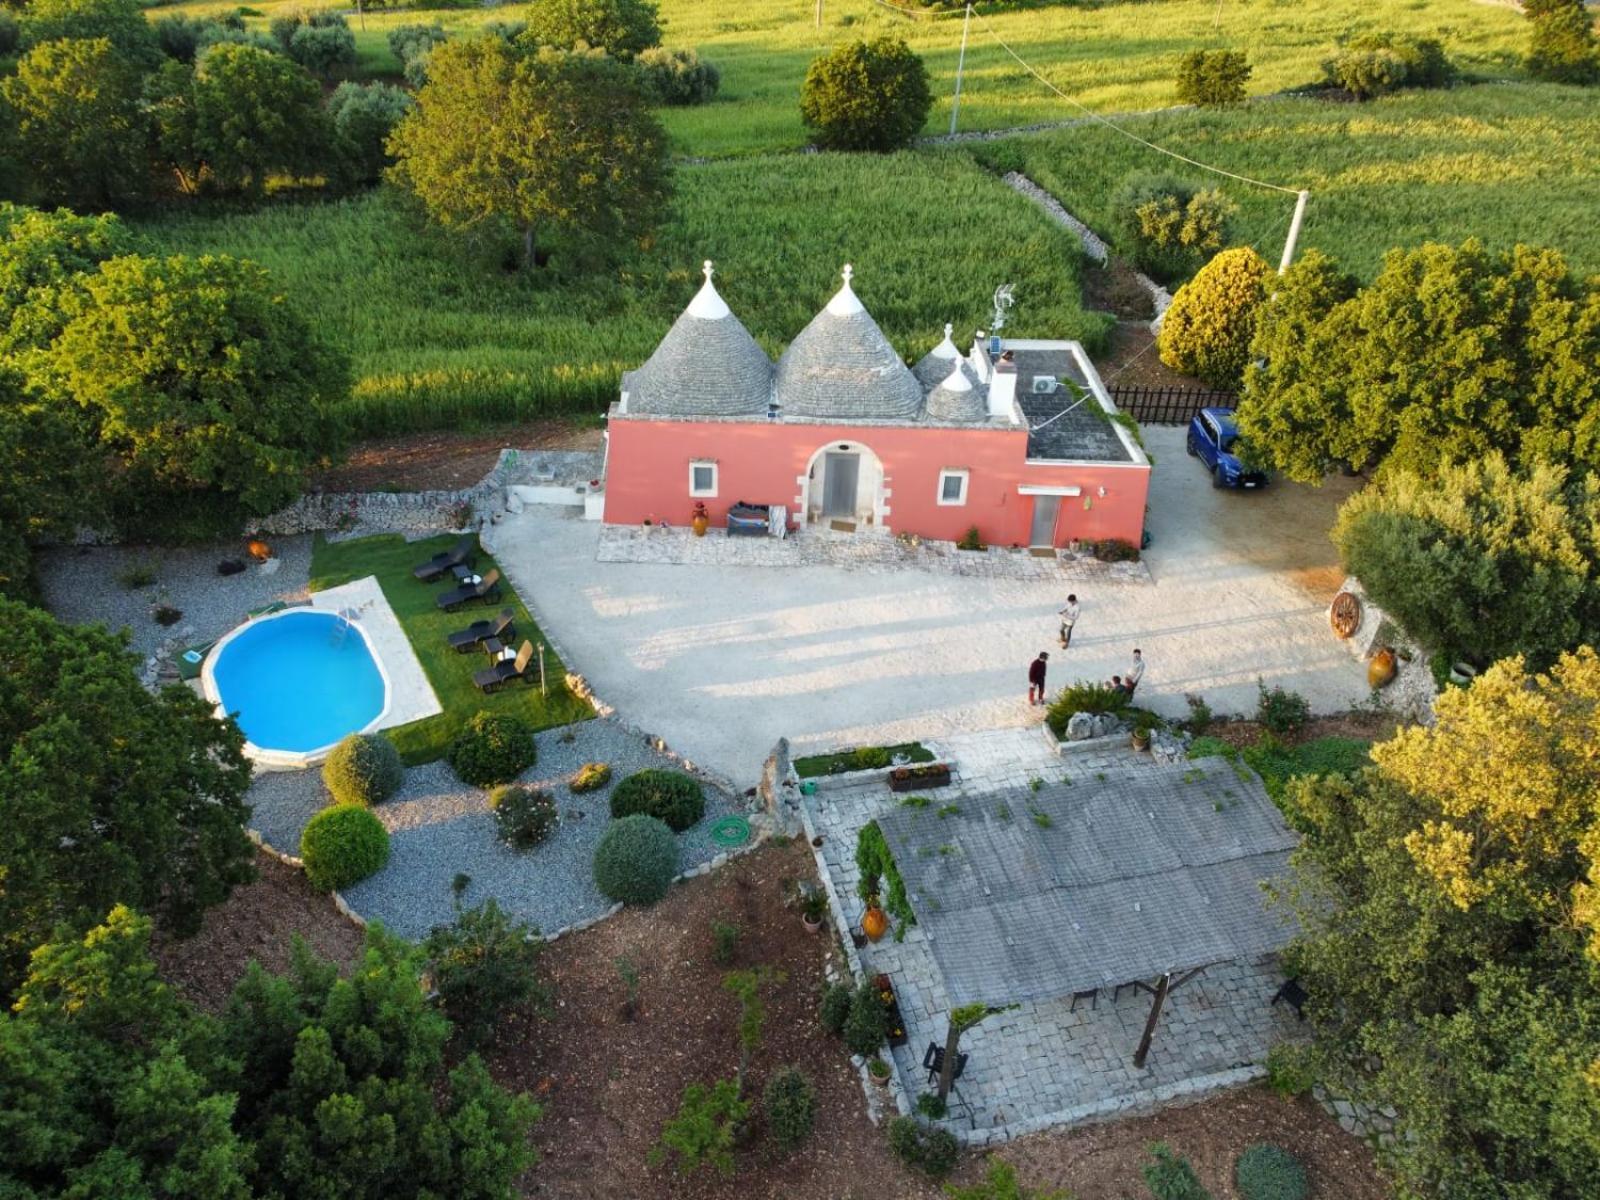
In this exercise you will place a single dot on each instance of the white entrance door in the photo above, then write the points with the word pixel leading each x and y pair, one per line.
pixel 841 473
pixel 1045 511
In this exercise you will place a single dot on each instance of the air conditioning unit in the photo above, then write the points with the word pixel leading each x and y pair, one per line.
pixel 1043 384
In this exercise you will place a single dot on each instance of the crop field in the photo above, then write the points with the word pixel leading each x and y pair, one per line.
pixel 1505 163
pixel 442 335
pixel 1112 57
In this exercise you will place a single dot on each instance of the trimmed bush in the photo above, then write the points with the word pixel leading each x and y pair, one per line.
pixel 1267 1172
pixel 1170 1177
pixel 669 796
pixel 866 96
pixel 1083 696
pixel 1207 331
pixel 636 860
pixel 590 777
pixel 493 748
pixel 929 1150
pixel 1213 78
pixel 871 758
pixel 342 845
pixel 790 1103
pixel 523 816
pixel 866 1026
pixel 1279 710
pixel 1561 45
pixel 1378 63
pixel 482 964
pixel 677 77
pixel 622 28
pixel 364 768
pixel 1168 226
pixel 1289 1070
pixel 835 1008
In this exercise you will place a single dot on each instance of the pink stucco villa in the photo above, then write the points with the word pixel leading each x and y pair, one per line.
pixel 841 431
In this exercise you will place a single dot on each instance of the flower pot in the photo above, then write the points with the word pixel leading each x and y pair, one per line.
pixel 700 524
pixel 259 550
pixel 813 924
pixel 1381 670
pixel 1462 673
pixel 1140 739
pixel 874 922
pixel 913 779
pixel 883 1079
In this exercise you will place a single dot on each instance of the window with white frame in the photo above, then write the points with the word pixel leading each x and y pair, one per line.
pixel 702 479
pixel 952 486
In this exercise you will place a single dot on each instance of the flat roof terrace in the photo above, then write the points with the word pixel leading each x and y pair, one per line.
pixel 1057 429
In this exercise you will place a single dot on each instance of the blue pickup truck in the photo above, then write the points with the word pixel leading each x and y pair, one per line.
pixel 1212 434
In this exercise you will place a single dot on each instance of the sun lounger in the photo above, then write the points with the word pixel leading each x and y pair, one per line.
pixel 439 565
pixel 486 589
pixel 504 671
pixel 478 632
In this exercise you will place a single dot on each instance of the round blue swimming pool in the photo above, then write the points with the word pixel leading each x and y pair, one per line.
pixel 298 681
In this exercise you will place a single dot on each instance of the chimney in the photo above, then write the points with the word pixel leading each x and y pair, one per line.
pixel 1003 388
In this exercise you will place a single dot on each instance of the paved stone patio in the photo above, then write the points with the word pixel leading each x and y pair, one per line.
pixel 1046 1064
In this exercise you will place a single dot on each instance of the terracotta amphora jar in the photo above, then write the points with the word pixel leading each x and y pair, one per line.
pixel 701 520
pixel 874 922
pixel 1381 670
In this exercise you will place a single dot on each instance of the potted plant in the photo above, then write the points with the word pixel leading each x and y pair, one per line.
pixel 1140 738
pixel 813 909
pixel 879 1070
pixel 915 778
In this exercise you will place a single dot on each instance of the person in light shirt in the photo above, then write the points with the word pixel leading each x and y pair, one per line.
pixel 1135 673
pixel 1069 618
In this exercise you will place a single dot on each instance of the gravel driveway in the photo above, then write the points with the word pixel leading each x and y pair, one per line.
pixel 721 661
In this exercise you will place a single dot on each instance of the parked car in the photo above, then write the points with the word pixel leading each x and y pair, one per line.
pixel 1212 438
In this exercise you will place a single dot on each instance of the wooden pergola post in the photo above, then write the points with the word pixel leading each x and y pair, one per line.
pixel 1162 987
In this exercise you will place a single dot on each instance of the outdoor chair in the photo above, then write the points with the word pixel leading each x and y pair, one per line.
pixel 504 671
pixel 502 627
pixel 1292 994
pixel 933 1063
pixel 486 589
pixel 1092 995
pixel 439 565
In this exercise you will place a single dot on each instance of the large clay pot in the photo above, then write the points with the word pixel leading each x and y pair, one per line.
pixel 259 551
pixel 874 923
pixel 1381 670
pixel 700 524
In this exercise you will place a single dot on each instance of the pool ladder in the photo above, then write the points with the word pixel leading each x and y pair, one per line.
pixel 341 631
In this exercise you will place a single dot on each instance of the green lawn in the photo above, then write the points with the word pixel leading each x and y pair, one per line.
pixel 441 337
pixel 1506 163
pixel 1112 57
pixel 391 558
pixel 845 760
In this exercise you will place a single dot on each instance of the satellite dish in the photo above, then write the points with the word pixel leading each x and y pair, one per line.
pixel 1003 299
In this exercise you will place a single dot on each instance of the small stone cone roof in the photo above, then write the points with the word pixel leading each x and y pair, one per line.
pixel 707 365
pixel 841 367
pixel 935 366
pixel 956 398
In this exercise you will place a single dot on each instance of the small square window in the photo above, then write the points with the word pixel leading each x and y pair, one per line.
pixel 702 479
pixel 952 487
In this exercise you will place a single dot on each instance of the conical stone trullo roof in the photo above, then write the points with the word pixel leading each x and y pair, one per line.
pixel 934 368
pixel 956 398
pixel 841 367
pixel 707 365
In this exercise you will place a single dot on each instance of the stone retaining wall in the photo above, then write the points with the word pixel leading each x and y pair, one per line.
pixel 361 513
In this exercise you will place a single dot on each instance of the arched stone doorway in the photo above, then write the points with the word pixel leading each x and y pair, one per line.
pixel 844 482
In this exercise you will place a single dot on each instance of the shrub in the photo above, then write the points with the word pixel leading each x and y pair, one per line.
pixel 702 1132
pixel 970 540
pixel 1213 78
pixel 790 1103
pixel 407 42
pixel 678 77
pixel 1170 1177
pixel 1200 715
pixel 724 941
pixel 1208 329
pixel 1267 1172
pixel 493 748
pixel 363 116
pixel 1561 43
pixel 323 49
pixel 1083 696
pixel 342 845
pixel 1279 710
pixel 364 768
pixel 136 575
pixel 835 1008
pixel 636 860
pixel 622 28
pixel 1167 225
pixel 669 796
pixel 931 1151
pixel 866 1027
pixel 870 758
pixel 482 964
pixel 1289 1071
pixel 1375 64
pixel 11 33
pixel 523 816
pixel 877 869
pixel 866 96
pixel 1212 747
pixel 591 777
pixel 182 37
pixel 1115 550
pixel 1001 1184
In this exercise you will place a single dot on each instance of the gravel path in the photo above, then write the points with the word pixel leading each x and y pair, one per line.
pixel 81 586
pixel 440 827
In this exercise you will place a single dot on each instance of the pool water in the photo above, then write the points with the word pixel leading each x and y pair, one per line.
pixel 299 681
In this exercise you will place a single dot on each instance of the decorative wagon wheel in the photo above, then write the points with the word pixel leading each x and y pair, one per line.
pixel 1345 614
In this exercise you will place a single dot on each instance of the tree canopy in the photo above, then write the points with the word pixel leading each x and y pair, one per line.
pixel 121 22
pixel 622 28
pixel 1451 943
pixel 866 96
pixel 107 794
pixel 46 486
pixel 255 113
pixel 561 147
pixel 1450 353
pixel 1209 326
pixel 1562 46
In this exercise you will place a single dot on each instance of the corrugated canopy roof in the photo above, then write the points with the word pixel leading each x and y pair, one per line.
pixel 1153 871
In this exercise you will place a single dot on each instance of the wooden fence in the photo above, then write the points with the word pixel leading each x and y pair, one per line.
pixel 1169 405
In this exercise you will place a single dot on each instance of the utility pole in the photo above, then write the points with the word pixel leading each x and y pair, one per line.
pixel 961 63
pixel 1294 231
pixel 819 14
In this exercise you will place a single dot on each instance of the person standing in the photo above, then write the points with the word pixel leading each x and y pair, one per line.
pixel 1036 671
pixel 1135 673
pixel 1069 618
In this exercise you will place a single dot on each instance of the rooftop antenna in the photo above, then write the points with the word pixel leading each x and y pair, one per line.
pixel 1003 299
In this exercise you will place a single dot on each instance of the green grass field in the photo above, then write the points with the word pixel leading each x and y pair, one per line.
pixel 1506 163
pixel 391 558
pixel 442 338
pixel 1113 57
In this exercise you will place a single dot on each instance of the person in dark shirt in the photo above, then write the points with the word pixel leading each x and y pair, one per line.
pixel 1036 671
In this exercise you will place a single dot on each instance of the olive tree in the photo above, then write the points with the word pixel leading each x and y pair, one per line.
pixel 256 113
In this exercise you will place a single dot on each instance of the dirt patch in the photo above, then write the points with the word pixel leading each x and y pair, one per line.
pixel 1375 727
pixel 1132 360
pixel 256 923
pixel 1115 288
pixel 445 460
